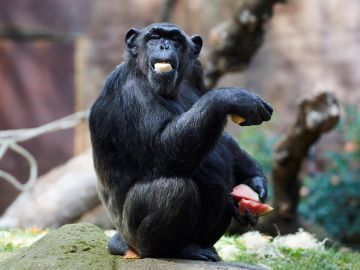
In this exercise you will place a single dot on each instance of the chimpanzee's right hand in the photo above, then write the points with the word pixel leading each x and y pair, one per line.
pixel 245 104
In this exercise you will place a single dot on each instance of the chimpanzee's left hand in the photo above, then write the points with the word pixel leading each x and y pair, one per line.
pixel 259 185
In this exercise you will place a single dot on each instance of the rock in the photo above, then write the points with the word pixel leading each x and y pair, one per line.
pixel 73 246
pixel 172 264
pixel 84 246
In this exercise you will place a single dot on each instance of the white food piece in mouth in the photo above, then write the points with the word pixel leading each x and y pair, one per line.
pixel 162 67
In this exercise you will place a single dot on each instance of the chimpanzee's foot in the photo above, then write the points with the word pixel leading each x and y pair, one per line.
pixel 131 254
pixel 117 245
pixel 194 252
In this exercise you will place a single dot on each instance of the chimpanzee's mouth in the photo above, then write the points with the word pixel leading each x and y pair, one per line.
pixel 163 67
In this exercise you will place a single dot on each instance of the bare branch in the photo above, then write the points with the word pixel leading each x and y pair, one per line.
pixel 59 196
pixel 19 135
pixel 9 140
pixel 32 163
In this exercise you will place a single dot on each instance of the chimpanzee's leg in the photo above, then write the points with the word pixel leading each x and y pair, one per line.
pixel 161 218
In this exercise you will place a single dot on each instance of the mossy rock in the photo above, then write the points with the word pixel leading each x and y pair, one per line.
pixel 73 246
pixel 83 246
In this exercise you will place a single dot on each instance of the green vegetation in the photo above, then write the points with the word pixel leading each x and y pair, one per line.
pixel 73 246
pixel 12 240
pixel 284 253
pixel 336 207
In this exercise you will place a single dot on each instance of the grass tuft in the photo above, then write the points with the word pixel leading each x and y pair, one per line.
pixel 300 251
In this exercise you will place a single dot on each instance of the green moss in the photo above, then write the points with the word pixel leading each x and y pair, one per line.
pixel 74 246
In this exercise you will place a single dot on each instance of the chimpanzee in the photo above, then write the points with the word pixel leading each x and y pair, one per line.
pixel 165 166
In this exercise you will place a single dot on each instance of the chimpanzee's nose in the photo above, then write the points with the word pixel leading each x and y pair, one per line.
pixel 164 46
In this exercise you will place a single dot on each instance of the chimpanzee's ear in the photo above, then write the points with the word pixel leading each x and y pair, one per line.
pixel 130 43
pixel 196 46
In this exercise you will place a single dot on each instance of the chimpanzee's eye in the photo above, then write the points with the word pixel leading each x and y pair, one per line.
pixel 154 36
pixel 176 38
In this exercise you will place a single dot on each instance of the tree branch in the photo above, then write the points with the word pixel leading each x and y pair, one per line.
pixel 234 43
pixel 318 114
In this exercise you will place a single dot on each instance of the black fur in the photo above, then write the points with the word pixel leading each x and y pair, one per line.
pixel 164 163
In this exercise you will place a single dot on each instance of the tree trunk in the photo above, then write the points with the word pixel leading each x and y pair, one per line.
pixel 318 114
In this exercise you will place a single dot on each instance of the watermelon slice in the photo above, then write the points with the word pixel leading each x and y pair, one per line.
pixel 244 192
pixel 256 208
pixel 249 200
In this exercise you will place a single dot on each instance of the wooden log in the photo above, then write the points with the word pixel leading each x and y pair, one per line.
pixel 59 197
pixel 97 216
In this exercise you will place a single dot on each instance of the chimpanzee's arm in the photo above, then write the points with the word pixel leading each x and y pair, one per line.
pixel 192 135
pixel 246 169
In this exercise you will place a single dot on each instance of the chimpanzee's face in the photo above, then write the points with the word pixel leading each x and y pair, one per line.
pixel 163 52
